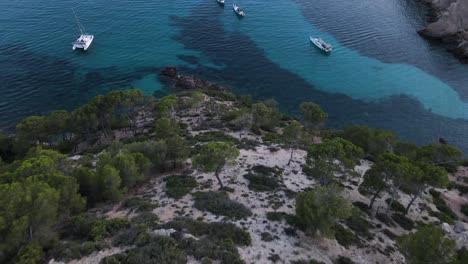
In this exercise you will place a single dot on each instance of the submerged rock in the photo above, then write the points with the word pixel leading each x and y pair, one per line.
pixel 190 82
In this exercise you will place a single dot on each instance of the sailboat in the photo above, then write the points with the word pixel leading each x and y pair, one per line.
pixel 85 39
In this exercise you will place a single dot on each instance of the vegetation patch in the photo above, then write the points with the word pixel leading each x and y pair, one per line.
pixel 147 219
pixel 215 231
pixel 358 223
pixel 442 206
pixel 262 178
pixel 403 221
pixel 215 136
pixel 157 249
pixel 464 209
pixel 278 216
pixel 138 204
pixel 345 237
pixel 396 206
pixel 219 203
pixel 215 241
pixel 68 250
pixel 178 186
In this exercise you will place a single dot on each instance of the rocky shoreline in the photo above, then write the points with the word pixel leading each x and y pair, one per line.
pixel 189 82
pixel 450 25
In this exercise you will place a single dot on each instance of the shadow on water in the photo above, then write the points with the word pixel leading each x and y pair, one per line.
pixel 249 71
pixel 38 84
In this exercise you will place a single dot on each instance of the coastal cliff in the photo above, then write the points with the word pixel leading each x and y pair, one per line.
pixel 450 25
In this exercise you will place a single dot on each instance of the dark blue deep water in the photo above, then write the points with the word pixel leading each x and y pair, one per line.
pixel 381 73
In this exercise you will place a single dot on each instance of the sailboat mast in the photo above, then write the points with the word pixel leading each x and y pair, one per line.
pixel 80 27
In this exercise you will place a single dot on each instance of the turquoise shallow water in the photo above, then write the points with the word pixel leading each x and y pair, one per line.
pixel 381 72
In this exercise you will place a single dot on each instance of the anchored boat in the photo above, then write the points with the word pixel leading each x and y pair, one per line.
pixel 321 44
pixel 220 2
pixel 239 11
pixel 85 39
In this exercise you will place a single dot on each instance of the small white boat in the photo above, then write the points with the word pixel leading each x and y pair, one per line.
pixel 85 39
pixel 221 2
pixel 321 44
pixel 83 42
pixel 239 11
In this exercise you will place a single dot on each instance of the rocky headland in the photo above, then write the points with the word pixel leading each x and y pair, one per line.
pixel 450 25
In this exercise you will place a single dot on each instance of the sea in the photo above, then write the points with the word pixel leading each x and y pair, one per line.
pixel 381 72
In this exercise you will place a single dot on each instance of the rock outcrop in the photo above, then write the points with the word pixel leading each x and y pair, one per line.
pixel 190 82
pixel 450 25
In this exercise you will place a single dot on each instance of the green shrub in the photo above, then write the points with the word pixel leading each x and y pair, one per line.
pixel 359 224
pixel 403 221
pixel 344 260
pixel 312 261
pixel 138 204
pixel 114 225
pixel 215 136
pixel 441 205
pixel 145 219
pixel 130 237
pixel 225 96
pixel 278 216
pixel 178 186
pixel 161 250
pixel 273 138
pixel 224 251
pixel 396 206
pixel 345 237
pixel 267 237
pixel 219 203
pixel 31 253
pixel 464 209
pixel 216 231
pixel 427 245
pixel 66 251
pixel 261 183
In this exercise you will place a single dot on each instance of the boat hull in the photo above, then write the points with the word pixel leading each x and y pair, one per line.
pixel 319 45
pixel 83 42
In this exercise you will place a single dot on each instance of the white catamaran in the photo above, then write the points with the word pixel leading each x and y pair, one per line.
pixel 85 39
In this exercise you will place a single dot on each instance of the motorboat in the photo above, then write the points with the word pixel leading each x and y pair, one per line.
pixel 220 2
pixel 321 44
pixel 238 10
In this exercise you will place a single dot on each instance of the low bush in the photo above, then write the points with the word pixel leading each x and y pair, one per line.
pixel 216 231
pixel 215 136
pixel 219 203
pixel 278 216
pixel 442 206
pixel 266 237
pixel 312 261
pixel 132 236
pixel 464 209
pixel 359 225
pixel 146 219
pixel 403 221
pixel 158 249
pixel 225 251
pixel 396 206
pixel 344 260
pixel 178 186
pixel 385 219
pixel 66 251
pixel 261 183
pixel 362 206
pixel 345 237
pixel 138 204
